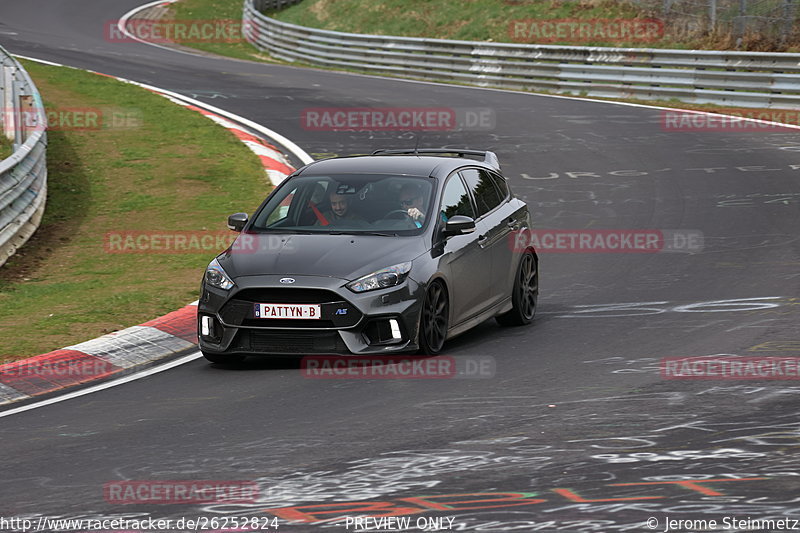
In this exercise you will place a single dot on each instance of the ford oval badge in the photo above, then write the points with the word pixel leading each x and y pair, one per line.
pixel 287 280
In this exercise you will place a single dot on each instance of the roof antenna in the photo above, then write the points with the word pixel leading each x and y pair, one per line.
pixel 416 148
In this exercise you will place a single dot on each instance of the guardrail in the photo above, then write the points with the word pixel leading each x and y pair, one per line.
pixel 23 175
pixel 748 79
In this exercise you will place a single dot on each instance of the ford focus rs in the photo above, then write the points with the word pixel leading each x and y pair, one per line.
pixel 394 252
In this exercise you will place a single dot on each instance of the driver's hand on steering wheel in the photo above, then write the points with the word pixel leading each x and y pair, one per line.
pixel 416 214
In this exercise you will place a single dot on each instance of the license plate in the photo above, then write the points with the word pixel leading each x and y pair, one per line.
pixel 291 311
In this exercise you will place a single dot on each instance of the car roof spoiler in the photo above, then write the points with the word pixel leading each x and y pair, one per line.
pixel 490 158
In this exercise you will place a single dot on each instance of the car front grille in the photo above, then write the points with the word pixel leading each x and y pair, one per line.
pixel 336 311
pixel 282 342
pixel 287 296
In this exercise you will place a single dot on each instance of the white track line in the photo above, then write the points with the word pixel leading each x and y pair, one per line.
pixel 298 152
pixel 275 136
pixel 280 139
pixel 132 12
pixel 122 24
pixel 564 97
pixel 96 388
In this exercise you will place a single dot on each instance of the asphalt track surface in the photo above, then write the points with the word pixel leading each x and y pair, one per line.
pixel 576 411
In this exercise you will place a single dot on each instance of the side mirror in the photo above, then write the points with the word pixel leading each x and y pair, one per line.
pixel 458 225
pixel 237 221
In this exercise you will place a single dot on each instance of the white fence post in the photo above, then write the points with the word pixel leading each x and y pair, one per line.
pixel 9 117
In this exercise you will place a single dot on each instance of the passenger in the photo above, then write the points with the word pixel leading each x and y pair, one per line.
pixel 340 212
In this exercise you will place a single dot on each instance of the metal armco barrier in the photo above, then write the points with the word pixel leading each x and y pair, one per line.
pixel 23 175
pixel 747 79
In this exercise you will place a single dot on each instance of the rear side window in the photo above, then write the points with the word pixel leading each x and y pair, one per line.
pixel 455 200
pixel 487 197
pixel 501 184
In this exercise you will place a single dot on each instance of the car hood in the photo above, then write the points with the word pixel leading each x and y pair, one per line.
pixel 347 257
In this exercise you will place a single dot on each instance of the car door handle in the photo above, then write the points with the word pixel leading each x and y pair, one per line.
pixel 483 239
pixel 513 224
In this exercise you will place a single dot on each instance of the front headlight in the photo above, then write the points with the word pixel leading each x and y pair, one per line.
pixel 383 278
pixel 216 276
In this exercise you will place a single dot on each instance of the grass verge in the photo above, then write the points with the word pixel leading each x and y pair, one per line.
pixel 5 147
pixel 204 10
pixel 147 166
pixel 503 21
pixel 523 21
pixel 476 20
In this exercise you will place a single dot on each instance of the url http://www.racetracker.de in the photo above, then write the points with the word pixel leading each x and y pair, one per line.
pixel 174 525
pixel 725 523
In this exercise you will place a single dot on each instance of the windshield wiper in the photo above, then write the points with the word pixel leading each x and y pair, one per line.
pixel 291 231
pixel 376 233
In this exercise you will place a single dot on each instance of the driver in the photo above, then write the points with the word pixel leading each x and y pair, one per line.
pixel 411 202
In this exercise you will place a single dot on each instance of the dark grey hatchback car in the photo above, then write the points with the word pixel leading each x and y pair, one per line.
pixel 393 252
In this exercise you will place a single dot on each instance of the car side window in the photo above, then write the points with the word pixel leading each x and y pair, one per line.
pixel 501 184
pixel 486 195
pixel 455 200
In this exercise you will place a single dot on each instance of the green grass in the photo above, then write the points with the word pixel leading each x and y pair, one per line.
pixel 493 20
pixel 170 169
pixel 204 10
pixel 5 147
pixel 473 20
pixel 470 20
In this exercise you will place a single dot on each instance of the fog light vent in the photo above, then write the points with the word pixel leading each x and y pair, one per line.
pixel 210 329
pixel 206 326
pixel 383 331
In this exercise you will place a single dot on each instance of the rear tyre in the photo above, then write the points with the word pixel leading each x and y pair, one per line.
pixel 434 319
pixel 526 293
pixel 223 359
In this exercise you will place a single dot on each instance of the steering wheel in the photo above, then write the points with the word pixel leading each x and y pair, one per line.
pixel 392 215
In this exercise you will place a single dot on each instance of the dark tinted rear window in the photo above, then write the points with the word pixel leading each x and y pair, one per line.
pixel 455 199
pixel 487 197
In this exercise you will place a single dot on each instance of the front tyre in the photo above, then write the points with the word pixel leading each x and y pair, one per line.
pixel 434 319
pixel 526 293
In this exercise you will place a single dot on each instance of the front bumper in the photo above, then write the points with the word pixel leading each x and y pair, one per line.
pixel 351 323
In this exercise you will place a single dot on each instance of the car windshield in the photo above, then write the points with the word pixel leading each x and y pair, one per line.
pixel 358 203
